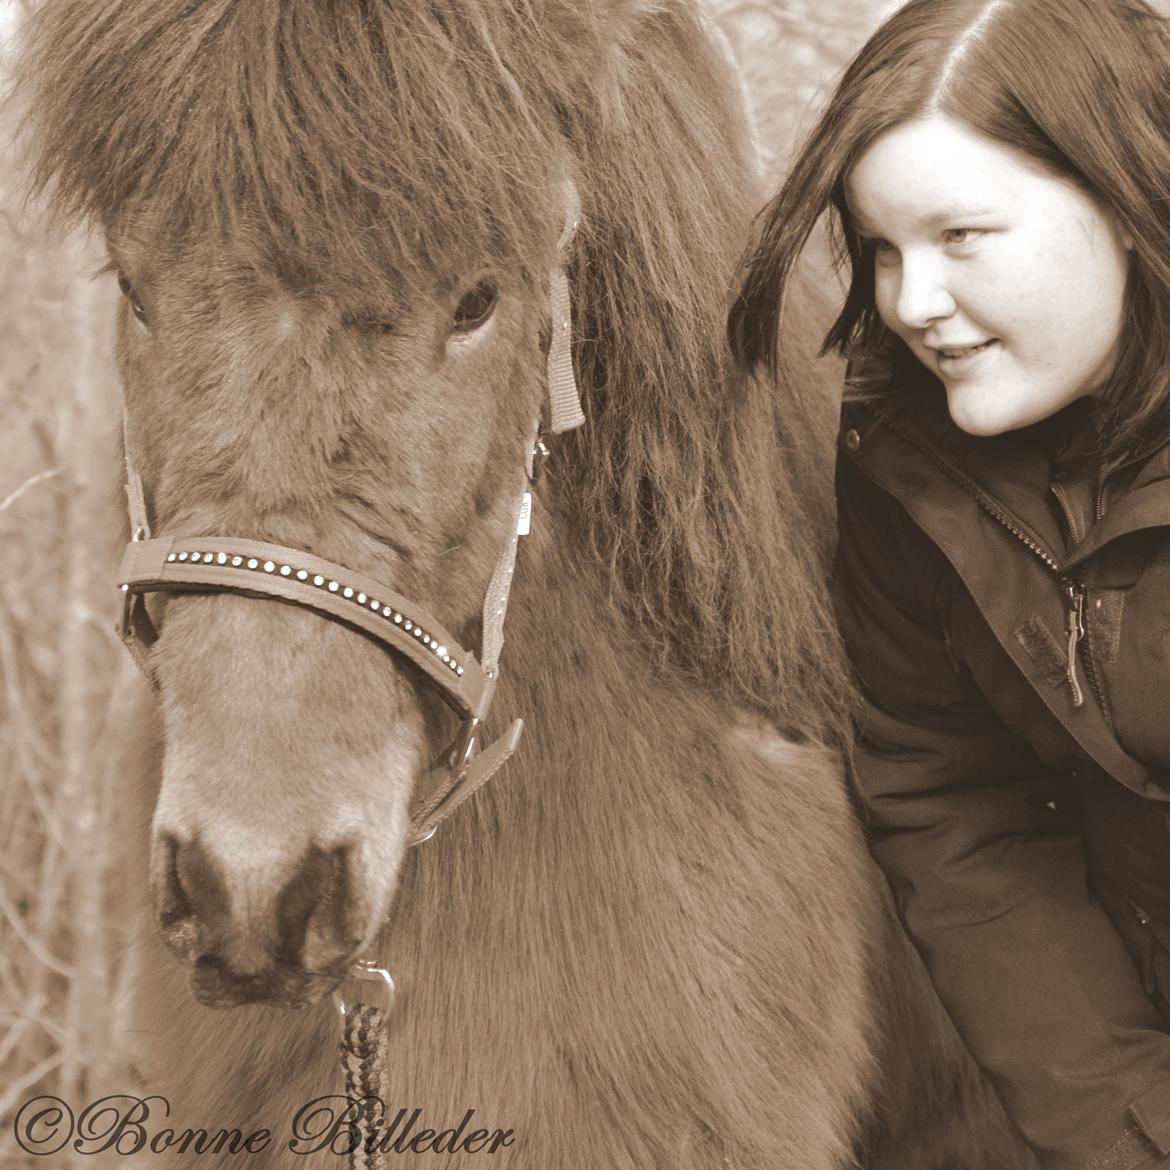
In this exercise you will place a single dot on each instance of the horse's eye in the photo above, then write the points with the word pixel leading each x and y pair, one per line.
pixel 475 306
pixel 136 306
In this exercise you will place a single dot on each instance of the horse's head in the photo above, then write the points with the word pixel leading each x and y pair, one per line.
pixel 334 226
pixel 335 223
pixel 385 433
pixel 381 427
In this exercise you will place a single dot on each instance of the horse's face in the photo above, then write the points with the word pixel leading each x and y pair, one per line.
pixel 384 431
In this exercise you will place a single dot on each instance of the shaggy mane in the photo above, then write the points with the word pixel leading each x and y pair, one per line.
pixel 425 140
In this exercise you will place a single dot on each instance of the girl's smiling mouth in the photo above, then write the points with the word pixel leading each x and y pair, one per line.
pixel 953 358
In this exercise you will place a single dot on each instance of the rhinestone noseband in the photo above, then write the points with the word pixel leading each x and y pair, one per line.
pixel 271 570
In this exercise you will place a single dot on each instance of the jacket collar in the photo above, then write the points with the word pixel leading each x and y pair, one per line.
pixel 1014 471
pixel 1142 502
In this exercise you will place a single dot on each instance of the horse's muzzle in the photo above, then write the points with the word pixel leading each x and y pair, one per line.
pixel 216 986
pixel 288 952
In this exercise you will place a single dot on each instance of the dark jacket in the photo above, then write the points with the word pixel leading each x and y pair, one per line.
pixel 1017 797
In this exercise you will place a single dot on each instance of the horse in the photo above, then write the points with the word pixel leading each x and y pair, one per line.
pixel 345 231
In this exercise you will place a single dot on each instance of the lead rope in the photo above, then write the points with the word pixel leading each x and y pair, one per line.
pixel 363 1047
pixel 364 1041
pixel 363 1058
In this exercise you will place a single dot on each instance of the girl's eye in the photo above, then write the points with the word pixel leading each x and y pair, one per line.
pixel 475 306
pixel 136 306
pixel 959 235
pixel 884 252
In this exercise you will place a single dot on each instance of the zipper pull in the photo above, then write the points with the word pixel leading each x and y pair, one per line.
pixel 1075 628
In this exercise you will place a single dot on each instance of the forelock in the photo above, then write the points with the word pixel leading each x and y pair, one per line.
pixel 354 135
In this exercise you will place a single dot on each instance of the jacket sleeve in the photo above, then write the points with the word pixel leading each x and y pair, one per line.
pixel 989 879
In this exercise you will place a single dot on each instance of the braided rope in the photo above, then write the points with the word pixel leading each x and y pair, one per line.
pixel 363 1056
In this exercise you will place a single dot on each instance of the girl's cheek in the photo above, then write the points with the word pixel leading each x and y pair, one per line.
pixel 886 297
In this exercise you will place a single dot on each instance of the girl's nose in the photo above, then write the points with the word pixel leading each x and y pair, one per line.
pixel 923 295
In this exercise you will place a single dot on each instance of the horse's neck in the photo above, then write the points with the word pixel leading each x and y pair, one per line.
pixel 602 717
pixel 534 897
pixel 619 773
pixel 602 729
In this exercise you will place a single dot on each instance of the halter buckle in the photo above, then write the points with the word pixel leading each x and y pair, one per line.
pixel 463 750
pixel 465 747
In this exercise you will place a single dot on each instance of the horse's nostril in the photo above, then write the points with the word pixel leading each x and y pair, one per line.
pixel 172 902
pixel 315 912
pixel 190 896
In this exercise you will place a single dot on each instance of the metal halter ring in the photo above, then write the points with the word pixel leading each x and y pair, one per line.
pixel 364 971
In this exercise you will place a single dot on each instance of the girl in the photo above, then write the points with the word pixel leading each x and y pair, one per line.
pixel 997 178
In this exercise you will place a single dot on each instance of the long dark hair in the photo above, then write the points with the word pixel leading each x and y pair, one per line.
pixel 1081 87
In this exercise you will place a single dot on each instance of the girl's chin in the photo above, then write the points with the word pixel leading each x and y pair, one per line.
pixel 986 414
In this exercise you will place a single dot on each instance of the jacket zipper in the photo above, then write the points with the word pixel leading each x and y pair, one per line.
pixel 1074 625
pixel 1074 590
pixel 1090 666
pixel 1079 599
pixel 1069 520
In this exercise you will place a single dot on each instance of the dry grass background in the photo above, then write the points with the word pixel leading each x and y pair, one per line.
pixel 63 677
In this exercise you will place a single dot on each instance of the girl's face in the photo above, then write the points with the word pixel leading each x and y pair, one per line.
pixel 1005 281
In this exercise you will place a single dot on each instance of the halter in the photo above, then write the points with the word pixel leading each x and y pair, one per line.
pixel 257 569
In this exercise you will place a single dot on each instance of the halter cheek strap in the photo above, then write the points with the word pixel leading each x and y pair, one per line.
pixel 258 569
